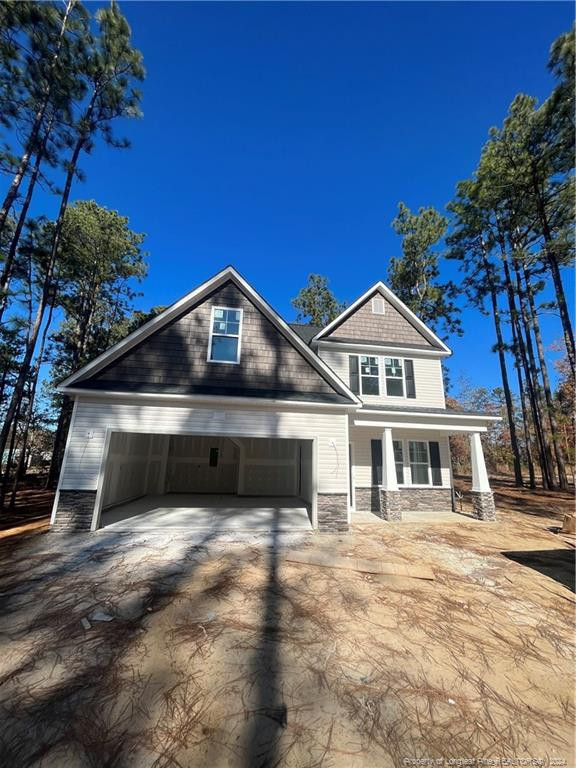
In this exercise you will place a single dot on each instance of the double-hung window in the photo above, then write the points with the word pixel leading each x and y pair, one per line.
pixel 225 332
pixel 394 377
pixel 370 375
pixel 399 461
pixel 419 463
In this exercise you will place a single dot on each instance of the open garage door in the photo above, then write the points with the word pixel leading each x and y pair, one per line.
pixel 198 480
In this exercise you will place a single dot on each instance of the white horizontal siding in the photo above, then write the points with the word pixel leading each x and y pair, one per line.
pixel 83 457
pixel 362 452
pixel 427 377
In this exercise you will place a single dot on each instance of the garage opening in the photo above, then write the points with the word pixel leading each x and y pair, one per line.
pixel 206 482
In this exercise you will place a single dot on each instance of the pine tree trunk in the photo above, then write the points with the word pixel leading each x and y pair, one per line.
pixel 47 288
pixel 554 430
pixel 525 418
pixel 504 374
pixel 554 267
pixel 9 263
pixel 13 431
pixel 36 125
pixel 33 383
pixel 534 372
pixel 529 383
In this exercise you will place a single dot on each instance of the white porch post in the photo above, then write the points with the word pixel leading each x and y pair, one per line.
pixel 389 482
pixel 482 496
pixel 480 482
pixel 389 494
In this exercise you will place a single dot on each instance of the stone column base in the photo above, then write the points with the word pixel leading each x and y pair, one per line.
pixel 332 512
pixel 483 504
pixel 74 511
pixel 390 505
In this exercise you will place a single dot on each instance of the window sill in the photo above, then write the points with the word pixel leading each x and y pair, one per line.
pixel 224 362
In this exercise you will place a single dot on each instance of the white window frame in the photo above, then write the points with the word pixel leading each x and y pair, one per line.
pixel 227 335
pixel 403 379
pixel 429 483
pixel 378 377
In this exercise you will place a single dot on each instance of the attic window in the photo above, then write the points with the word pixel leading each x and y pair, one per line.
pixel 377 305
pixel 225 333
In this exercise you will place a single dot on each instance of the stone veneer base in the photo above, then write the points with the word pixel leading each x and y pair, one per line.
pixel 390 505
pixel 483 505
pixel 332 512
pixel 74 511
pixel 403 500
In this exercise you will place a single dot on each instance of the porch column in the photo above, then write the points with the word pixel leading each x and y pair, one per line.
pixel 389 493
pixel 482 496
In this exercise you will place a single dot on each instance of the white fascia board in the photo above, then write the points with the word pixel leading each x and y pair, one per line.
pixel 453 428
pixel 396 302
pixel 380 348
pixel 424 415
pixel 211 400
pixel 191 298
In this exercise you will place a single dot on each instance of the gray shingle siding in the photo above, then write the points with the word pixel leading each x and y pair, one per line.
pixel 392 326
pixel 174 360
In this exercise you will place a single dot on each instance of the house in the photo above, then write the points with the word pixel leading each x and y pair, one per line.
pixel 219 395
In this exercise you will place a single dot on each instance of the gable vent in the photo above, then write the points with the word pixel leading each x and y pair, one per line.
pixel 378 305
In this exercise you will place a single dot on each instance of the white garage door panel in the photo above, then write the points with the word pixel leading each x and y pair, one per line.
pixel 92 420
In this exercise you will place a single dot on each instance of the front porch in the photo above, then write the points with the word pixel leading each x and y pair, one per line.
pixel 400 467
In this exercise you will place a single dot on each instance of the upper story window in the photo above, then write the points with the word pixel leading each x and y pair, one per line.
pixel 394 371
pixel 369 375
pixel 225 334
pixel 364 373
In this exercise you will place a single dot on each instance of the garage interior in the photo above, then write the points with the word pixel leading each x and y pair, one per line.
pixel 205 482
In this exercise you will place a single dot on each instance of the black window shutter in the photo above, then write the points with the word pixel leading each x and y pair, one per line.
pixel 410 383
pixel 434 449
pixel 354 375
pixel 376 462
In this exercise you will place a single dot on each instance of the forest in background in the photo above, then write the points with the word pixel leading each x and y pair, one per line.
pixel 69 77
pixel 510 229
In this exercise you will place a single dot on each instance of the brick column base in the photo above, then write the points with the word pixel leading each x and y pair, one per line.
pixel 332 512
pixel 74 511
pixel 483 504
pixel 390 505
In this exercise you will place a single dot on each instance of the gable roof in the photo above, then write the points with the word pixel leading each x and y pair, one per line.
pixel 229 274
pixel 407 313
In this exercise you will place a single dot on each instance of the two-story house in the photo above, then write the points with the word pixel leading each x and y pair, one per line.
pixel 218 398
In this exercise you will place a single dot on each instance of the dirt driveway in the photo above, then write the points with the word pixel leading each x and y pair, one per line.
pixel 147 650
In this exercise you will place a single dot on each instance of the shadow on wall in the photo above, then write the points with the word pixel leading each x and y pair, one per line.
pixel 176 358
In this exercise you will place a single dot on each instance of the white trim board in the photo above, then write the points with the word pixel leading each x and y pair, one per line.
pixel 455 428
pixel 380 287
pixel 423 414
pixel 208 400
pixel 380 349
pixel 188 301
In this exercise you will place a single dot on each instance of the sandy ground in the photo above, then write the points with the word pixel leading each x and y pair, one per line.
pixel 153 650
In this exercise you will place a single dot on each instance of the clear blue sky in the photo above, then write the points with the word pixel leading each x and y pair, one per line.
pixel 280 137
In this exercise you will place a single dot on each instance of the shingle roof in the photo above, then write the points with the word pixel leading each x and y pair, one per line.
pixel 306 332
pixel 419 409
